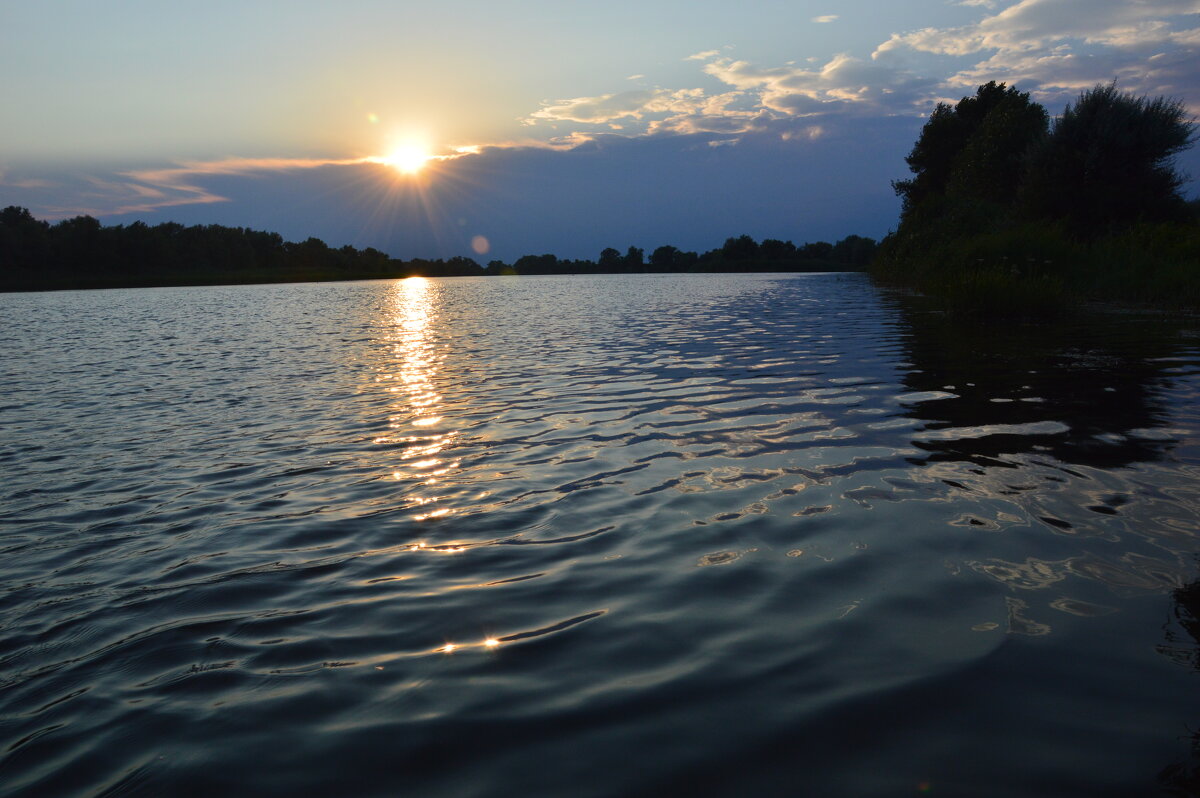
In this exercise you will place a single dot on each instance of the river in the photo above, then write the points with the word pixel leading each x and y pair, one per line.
pixel 593 536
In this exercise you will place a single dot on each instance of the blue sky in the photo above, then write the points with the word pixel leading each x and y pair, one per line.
pixel 554 127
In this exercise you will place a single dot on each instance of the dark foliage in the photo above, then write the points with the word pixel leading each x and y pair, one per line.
pixel 973 149
pixel 1108 163
pixel 737 254
pixel 1008 214
pixel 740 248
pixel 81 253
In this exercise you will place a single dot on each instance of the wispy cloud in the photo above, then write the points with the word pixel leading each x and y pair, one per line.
pixel 140 191
pixel 755 96
pixel 152 189
pixel 844 79
pixel 27 183
pixel 1052 45
pixel 627 104
pixel 1032 25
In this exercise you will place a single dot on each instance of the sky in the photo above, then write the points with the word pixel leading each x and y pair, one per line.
pixel 497 129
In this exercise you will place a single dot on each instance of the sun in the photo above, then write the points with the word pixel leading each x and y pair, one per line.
pixel 408 159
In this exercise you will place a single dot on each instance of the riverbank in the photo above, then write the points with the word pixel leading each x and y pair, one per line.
pixel 1035 269
pixel 241 279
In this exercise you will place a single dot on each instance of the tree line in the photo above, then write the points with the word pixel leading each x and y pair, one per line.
pixel 737 254
pixel 82 253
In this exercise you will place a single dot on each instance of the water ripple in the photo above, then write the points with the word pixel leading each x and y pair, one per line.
pixel 590 536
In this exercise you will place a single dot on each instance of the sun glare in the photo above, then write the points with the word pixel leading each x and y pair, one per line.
pixel 409 159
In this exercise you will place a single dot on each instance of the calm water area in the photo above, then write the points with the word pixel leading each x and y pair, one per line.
pixel 593 536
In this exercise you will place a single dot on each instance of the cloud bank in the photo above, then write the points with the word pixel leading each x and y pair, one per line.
pixel 1057 47
pixel 1053 48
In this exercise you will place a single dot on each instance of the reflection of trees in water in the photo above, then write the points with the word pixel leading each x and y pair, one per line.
pixel 1071 423
pixel 1182 778
pixel 1013 386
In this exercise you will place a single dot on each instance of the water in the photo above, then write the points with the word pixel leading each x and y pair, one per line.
pixel 592 536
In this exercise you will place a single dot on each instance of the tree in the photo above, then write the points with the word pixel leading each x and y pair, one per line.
pixel 536 264
pixel 775 250
pixel 854 250
pixel 457 266
pixel 816 250
pixel 77 240
pixel 1109 162
pixel 663 257
pixel 973 149
pixel 741 248
pixel 992 162
pixel 16 217
pixel 24 247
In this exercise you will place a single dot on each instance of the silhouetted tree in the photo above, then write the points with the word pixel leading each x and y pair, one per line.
pixel 24 246
pixel 1008 214
pixel 82 253
pixel 458 266
pixel 19 221
pixel 663 257
pixel 975 146
pixel 992 162
pixel 536 264
pixel 741 248
pixel 854 251
pixel 816 250
pixel 776 250
pixel 1109 161
pixel 610 259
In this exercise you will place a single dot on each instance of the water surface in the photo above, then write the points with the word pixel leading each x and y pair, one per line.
pixel 619 535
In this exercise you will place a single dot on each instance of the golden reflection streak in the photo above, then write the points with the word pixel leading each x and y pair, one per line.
pixel 450 648
pixel 413 315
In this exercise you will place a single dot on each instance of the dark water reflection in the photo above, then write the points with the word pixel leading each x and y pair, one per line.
pixel 592 536
pixel 1087 392
pixel 1182 778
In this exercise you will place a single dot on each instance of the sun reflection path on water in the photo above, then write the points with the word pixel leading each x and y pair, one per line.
pixel 417 418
